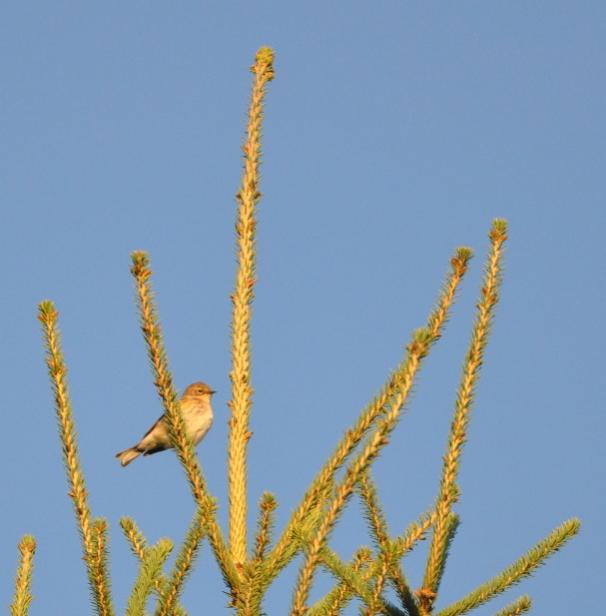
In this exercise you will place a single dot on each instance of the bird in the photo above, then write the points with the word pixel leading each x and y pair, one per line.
pixel 197 416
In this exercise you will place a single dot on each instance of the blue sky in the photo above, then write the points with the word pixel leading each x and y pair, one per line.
pixel 394 132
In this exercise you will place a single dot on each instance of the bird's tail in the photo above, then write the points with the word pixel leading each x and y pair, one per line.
pixel 128 455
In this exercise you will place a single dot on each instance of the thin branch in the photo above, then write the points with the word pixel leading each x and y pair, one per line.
pixel 520 569
pixel 241 401
pixel 519 606
pixel 99 556
pixel 402 544
pixel 267 507
pixel 172 588
pixel 417 350
pixel 379 530
pixel 152 334
pixel 98 578
pixel 138 546
pixel 23 580
pixel 136 540
pixel 458 432
pixel 282 553
pixel 357 581
pixel 337 599
pixel 149 570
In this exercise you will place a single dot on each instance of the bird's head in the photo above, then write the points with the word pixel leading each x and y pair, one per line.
pixel 198 390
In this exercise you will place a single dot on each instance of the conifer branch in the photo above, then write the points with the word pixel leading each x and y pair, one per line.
pixel 337 599
pixel 282 552
pixel 347 574
pixel 373 512
pixel 519 606
pixel 98 560
pixel 402 544
pixel 377 591
pixel 172 588
pixel 357 583
pixel 448 494
pixel 149 570
pixel 258 576
pixel 417 350
pixel 241 401
pixel 152 334
pixel 138 546
pixel 248 573
pixel 135 538
pixel 301 533
pixel 267 506
pixel 520 569
pixel 426 595
pixel 97 578
pixel 388 551
pixel 415 532
pixel 23 579
pixel 253 587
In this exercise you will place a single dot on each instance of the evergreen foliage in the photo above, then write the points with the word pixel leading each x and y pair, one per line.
pixel 375 577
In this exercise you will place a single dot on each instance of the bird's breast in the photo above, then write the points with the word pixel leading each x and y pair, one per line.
pixel 198 424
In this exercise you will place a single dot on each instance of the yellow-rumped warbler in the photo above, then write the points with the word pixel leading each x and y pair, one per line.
pixel 197 415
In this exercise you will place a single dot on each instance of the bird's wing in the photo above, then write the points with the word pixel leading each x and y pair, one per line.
pixel 160 419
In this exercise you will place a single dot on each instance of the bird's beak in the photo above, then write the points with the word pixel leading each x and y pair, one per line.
pixel 213 391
